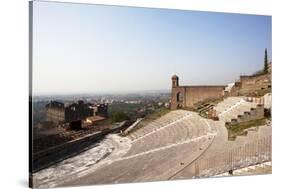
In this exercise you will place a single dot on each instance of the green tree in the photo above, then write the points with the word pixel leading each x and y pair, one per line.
pixel 265 69
pixel 119 116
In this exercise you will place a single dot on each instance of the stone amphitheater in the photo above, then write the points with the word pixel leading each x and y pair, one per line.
pixel 179 145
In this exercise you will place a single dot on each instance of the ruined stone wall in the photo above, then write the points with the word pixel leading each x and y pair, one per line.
pixel 195 94
pixel 250 85
pixel 255 82
pixel 187 96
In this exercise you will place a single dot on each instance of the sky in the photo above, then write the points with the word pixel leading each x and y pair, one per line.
pixel 82 48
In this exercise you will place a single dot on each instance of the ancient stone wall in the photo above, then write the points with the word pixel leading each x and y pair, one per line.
pixel 251 85
pixel 195 94
pixel 255 82
pixel 187 96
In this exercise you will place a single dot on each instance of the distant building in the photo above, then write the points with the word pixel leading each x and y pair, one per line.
pixel 55 112
pixel 257 84
pixel 74 113
pixel 78 111
pixel 100 110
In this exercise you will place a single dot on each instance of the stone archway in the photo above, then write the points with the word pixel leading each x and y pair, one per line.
pixel 179 97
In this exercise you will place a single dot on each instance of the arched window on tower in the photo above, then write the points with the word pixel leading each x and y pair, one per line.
pixel 179 97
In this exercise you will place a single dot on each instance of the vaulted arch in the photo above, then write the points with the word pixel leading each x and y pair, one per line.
pixel 179 97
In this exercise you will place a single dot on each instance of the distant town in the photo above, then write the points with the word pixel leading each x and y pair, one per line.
pixel 54 117
pixel 135 105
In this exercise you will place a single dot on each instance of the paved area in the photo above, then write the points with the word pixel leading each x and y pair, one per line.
pixel 155 165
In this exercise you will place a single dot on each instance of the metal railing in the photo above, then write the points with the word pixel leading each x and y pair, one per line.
pixel 252 153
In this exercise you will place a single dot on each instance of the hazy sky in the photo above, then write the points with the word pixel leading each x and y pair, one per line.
pixel 81 48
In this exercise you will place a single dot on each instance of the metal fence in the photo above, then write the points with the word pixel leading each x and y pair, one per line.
pixel 252 153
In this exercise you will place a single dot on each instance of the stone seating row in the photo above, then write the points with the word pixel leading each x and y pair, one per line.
pixel 189 128
pixel 157 165
pixel 220 108
pixel 236 109
pixel 252 113
pixel 165 120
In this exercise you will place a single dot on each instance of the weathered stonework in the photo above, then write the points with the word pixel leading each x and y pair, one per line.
pixel 187 96
pixel 249 85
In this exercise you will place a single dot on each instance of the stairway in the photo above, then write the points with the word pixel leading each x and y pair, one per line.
pixel 235 110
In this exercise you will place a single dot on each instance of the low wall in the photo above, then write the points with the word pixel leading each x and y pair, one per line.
pixel 50 156
pixel 136 123
pixel 55 154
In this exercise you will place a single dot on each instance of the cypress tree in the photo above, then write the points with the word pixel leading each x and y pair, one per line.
pixel 265 69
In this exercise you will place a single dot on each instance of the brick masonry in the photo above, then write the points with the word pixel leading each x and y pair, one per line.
pixel 248 85
pixel 187 96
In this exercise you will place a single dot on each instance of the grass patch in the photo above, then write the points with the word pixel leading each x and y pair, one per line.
pixel 240 128
pixel 158 113
pixel 123 107
pixel 205 102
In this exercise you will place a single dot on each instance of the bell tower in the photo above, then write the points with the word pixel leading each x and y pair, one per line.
pixel 176 93
pixel 175 81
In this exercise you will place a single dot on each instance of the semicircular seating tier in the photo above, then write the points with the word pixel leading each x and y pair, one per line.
pixel 186 126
